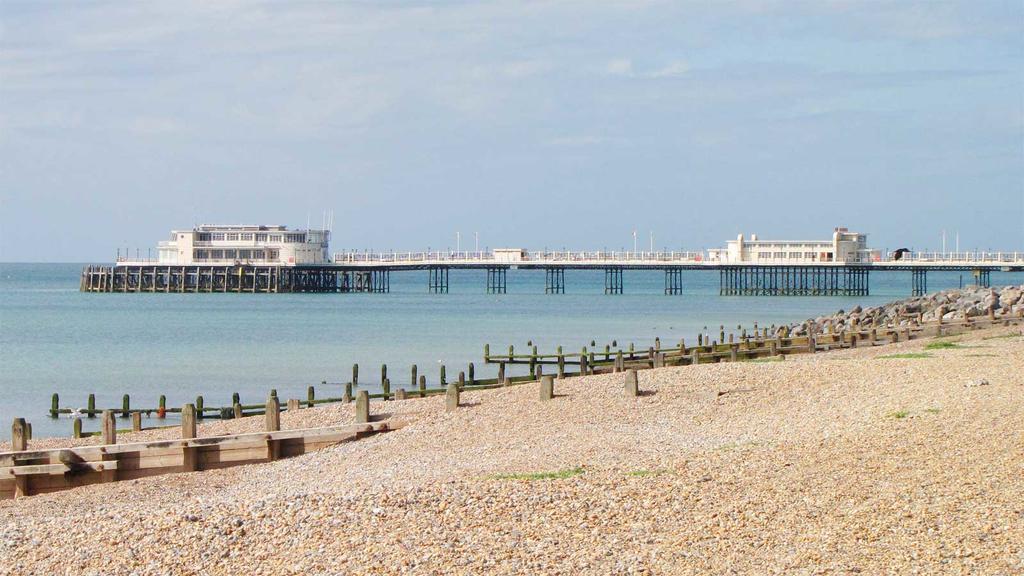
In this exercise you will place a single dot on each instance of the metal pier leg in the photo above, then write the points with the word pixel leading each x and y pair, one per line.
pixel 613 280
pixel 673 281
pixel 919 281
pixel 554 280
pixel 496 281
pixel 438 282
pixel 982 277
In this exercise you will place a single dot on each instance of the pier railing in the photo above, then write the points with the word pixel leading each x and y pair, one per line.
pixel 534 257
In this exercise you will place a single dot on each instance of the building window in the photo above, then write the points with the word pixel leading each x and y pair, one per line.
pixel 779 255
pixel 261 237
pixel 275 237
pixel 273 254
pixel 247 236
pixel 232 237
pixel 217 237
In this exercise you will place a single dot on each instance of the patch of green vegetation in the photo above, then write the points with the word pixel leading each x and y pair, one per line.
pixel 907 355
pixel 642 473
pixel 941 345
pixel 932 410
pixel 900 415
pixel 556 475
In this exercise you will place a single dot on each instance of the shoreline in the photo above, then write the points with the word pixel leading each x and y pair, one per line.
pixel 844 460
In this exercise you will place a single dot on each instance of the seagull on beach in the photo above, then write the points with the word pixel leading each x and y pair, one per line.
pixel 75 413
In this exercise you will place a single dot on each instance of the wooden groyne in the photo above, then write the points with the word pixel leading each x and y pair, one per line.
pixel 24 472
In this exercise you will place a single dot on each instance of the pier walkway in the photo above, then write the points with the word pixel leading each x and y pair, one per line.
pixel 371 272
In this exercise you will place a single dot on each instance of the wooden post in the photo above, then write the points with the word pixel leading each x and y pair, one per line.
pixel 188 421
pixel 54 405
pixel 161 411
pixel 355 375
pixel 272 417
pixel 76 428
pixel 237 409
pixel 90 406
pixel 362 407
pixel 812 344
pixel 383 373
pixel 501 370
pixel 695 356
pixel 348 393
pixel 487 353
pixel 583 365
pixel 235 398
pixel 272 422
pixel 19 443
pixel 472 374
pixel 547 388
pixel 109 427
pixel 414 378
pixel 632 386
pixel 125 406
pixel 733 352
pixel 444 378
pixel 311 394
pixel 199 407
pixel 451 398
pixel 293 404
pixel 136 421
pixel 423 386
pixel 506 382
pixel 400 394
pixel 385 386
pixel 650 357
pixel 19 435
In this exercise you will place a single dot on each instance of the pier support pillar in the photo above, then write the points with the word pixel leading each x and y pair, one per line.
pixel 919 281
pixel 437 282
pixel 673 281
pixel 982 277
pixel 496 280
pixel 554 280
pixel 613 280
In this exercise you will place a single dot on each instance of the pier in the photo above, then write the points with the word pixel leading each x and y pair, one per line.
pixel 370 272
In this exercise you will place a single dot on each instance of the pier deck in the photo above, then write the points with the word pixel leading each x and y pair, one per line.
pixel 371 272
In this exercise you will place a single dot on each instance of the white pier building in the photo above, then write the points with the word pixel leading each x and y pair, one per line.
pixel 844 247
pixel 244 244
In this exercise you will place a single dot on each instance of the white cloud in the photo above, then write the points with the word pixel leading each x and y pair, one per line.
pixel 620 67
pixel 624 67
pixel 672 70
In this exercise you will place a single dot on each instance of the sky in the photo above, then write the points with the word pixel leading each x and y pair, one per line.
pixel 528 124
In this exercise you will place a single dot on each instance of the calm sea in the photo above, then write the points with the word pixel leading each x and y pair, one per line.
pixel 55 339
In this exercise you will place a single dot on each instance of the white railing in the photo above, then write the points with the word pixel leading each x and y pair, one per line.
pixel 958 257
pixel 537 257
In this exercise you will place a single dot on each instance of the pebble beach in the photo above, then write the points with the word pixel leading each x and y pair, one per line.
pixel 856 461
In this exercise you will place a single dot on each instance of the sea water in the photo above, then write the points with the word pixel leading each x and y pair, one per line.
pixel 54 338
